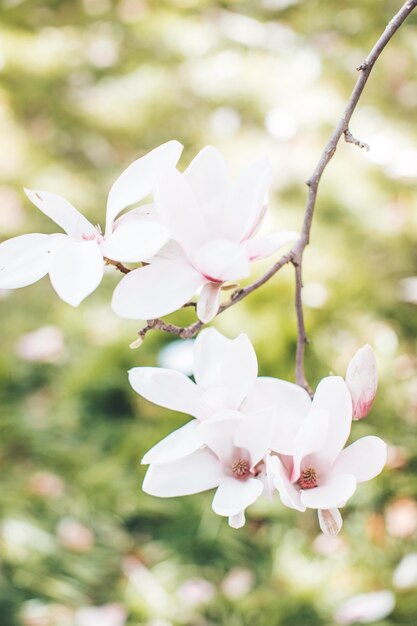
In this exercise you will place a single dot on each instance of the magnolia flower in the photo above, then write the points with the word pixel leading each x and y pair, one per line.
pixel 212 222
pixel 320 474
pixel 225 373
pixel 362 381
pixel 74 261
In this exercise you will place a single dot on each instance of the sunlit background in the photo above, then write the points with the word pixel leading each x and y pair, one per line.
pixel 87 87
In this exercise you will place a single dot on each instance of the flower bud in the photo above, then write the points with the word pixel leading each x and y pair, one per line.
pixel 362 381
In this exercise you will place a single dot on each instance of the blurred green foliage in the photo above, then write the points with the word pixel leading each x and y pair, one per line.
pixel 87 87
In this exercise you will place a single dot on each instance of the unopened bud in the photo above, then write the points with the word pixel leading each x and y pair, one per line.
pixel 137 343
pixel 362 381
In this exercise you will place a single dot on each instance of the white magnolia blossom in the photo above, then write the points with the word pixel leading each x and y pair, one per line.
pixel 74 260
pixel 212 222
pixel 252 435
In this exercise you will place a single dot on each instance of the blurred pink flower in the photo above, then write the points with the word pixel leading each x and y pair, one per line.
pixel 237 583
pixel 196 591
pixel 75 536
pixel 44 345
pixel 401 518
pixel 365 608
pixel 212 222
pixel 106 615
pixel 46 484
pixel 362 381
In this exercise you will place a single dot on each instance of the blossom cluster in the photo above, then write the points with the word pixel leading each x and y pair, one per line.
pixel 196 234
pixel 253 436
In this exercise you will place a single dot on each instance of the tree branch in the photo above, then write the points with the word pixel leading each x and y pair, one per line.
pixel 295 256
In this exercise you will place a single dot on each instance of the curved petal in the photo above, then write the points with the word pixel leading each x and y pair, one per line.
pixel 331 495
pixel 25 259
pixel 332 395
pixel 76 270
pixel 238 520
pixel 258 249
pixel 246 200
pixel 209 302
pixel 208 177
pixel 289 493
pixel 218 433
pixel 221 261
pixel 310 438
pixel 223 362
pixel 137 180
pixel 365 459
pixel 194 473
pixel 254 433
pixel 178 209
pixel 168 388
pixel 233 496
pixel 61 212
pixel 155 290
pixel 330 521
pixel 135 239
pixel 178 444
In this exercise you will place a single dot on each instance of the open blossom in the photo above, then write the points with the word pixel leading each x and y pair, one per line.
pixel 212 222
pixel 362 381
pixel 322 474
pixel 74 260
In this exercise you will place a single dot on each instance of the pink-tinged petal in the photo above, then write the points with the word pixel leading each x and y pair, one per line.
pixel 209 302
pixel 25 259
pixel 226 363
pixel 362 381
pixel 293 401
pixel 221 260
pixel 177 445
pixel 61 212
pixel 330 521
pixel 218 432
pixel 238 520
pixel 137 181
pixel 365 608
pixel 76 270
pixel 288 492
pixel 258 249
pixel 171 251
pixel 365 459
pixel 178 209
pixel 168 388
pixel 334 493
pixel 246 200
pixel 135 239
pixel 233 496
pixel 310 438
pixel 208 177
pixel 155 290
pixel 333 396
pixel 254 433
pixel 197 472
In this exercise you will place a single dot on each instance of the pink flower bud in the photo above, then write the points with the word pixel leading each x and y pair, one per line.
pixel 362 381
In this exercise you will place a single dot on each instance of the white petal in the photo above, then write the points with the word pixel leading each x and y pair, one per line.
pixel 293 401
pixel 25 259
pixel 218 433
pixel 289 493
pixel 168 388
pixel 179 210
pixel 332 395
pixel 137 181
pixel 254 433
pixel 135 239
pixel 310 438
pixel 330 521
pixel 246 200
pixel 178 444
pixel 365 608
pixel 209 302
pixel 76 270
pixel 61 212
pixel 263 247
pixel 238 520
pixel 331 495
pixel 208 177
pixel 223 362
pixel 221 260
pixel 233 496
pixel 365 459
pixel 155 290
pixel 194 473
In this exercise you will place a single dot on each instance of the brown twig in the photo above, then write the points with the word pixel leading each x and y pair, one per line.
pixel 295 256
pixel 122 268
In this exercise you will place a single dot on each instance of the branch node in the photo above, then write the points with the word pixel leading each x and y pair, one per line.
pixel 362 67
pixel 349 138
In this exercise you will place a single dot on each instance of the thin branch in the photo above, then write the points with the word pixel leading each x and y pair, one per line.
pixel 295 256
pixel 122 268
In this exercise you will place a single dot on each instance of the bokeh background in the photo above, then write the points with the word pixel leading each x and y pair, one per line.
pixel 88 86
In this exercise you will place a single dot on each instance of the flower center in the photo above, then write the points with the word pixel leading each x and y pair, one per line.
pixel 95 236
pixel 240 468
pixel 308 478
